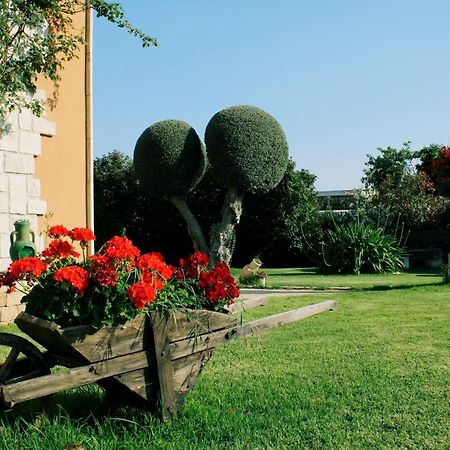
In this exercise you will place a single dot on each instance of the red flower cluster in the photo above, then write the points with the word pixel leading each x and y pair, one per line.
pixel 57 231
pixel 24 269
pixel 59 249
pixel 191 267
pixel 82 234
pixel 103 271
pixel 218 284
pixel 141 294
pixel 154 262
pixel 74 275
pixel 120 248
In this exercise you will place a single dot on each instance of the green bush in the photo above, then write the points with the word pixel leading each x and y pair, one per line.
pixel 357 247
pixel 247 148
pixel 169 158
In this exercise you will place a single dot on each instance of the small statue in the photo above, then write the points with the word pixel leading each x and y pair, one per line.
pixel 22 246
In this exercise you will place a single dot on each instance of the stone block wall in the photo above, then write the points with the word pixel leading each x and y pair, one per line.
pixel 20 191
pixel 10 306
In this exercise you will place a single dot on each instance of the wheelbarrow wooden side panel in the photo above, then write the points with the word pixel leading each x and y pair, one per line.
pixel 92 345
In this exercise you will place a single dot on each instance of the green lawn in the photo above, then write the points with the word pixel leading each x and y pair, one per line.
pixel 301 277
pixel 373 374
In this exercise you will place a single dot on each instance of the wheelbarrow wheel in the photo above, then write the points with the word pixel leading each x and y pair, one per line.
pixel 24 361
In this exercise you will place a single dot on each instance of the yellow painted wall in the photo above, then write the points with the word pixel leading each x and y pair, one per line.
pixel 63 167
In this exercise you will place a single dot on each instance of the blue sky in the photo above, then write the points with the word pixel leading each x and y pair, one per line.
pixel 342 77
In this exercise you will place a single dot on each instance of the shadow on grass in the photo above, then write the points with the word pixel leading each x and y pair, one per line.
pixel 399 287
pixel 87 405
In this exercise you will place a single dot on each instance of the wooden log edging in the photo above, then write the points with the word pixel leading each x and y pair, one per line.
pixel 201 343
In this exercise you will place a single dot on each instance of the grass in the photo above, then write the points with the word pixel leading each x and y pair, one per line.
pixel 307 277
pixel 372 374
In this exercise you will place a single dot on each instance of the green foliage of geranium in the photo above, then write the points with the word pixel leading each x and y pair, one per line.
pixel 357 247
pixel 247 148
pixel 169 159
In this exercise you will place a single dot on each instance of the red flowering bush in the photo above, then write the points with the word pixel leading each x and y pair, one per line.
pixel 115 284
pixel 437 167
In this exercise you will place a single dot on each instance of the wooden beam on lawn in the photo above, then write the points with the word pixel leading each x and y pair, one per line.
pixel 205 342
pixel 260 300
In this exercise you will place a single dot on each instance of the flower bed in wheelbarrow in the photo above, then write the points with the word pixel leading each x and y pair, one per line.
pixel 128 321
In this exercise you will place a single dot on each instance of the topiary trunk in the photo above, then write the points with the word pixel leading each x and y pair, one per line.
pixel 194 230
pixel 223 234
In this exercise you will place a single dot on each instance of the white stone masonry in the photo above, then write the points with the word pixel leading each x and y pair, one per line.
pixel 20 191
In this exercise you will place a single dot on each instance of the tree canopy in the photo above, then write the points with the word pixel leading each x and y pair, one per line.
pixel 37 38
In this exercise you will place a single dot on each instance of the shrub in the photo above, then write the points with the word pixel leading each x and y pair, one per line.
pixel 169 159
pixel 247 148
pixel 357 247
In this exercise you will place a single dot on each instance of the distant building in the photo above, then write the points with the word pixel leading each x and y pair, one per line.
pixel 338 201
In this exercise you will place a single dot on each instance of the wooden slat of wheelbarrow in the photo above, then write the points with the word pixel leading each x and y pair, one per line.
pixel 200 343
pixel 191 323
pixel 93 345
pixel 60 381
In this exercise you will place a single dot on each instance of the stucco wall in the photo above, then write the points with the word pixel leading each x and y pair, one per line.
pixel 63 167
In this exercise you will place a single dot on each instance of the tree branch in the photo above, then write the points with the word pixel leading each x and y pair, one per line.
pixel 194 230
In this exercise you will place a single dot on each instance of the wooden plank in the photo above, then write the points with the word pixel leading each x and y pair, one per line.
pixel 209 341
pixel 142 382
pixel 191 323
pixel 93 345
pixel 60 381
pixel 276 320
pixel 46 333
pixel 164 366
pixel 236 307
pixel 187 369
pixel 107 342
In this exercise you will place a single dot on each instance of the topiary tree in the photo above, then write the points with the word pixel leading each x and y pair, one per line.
pixel 247 152
pixel 169 161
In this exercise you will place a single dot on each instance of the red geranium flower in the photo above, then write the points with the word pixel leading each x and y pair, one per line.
pixel 57 231
pixel 103 271
pixel 60 249
pixel 218 284
pixel 192 266
pixel 81 234
pixel 75 276
pixel 27 266
pixel 153 280
pixel 141 294
pixel 24 269
pixel 120 247
pixel 155 262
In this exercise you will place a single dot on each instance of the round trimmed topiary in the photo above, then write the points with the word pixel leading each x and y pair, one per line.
pixel 247 148
pixel 169 158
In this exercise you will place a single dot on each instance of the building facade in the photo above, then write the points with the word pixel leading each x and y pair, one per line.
pixel 46 162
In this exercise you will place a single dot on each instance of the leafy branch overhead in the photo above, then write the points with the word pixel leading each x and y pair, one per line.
pixel 37 38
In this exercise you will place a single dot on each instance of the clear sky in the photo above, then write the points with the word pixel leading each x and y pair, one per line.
pixel 342 77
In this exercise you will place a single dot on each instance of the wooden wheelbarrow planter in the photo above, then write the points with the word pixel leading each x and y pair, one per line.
pixel 156 358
